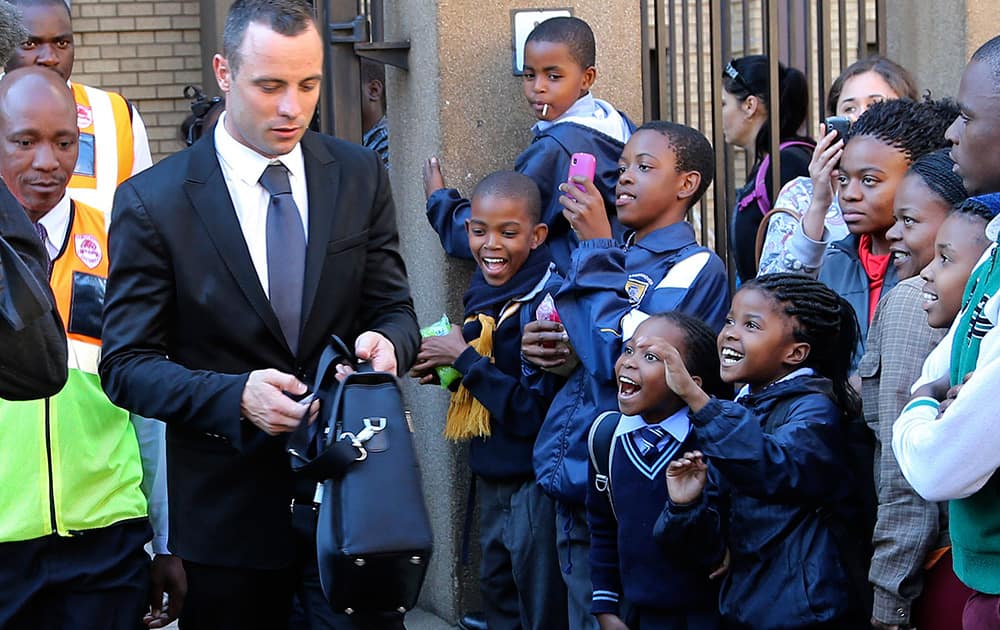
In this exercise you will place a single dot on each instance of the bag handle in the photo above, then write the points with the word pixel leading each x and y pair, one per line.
pixel 312 450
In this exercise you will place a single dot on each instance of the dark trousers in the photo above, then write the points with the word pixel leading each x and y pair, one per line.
pixel 982 612
pixel 573 545
pixel 650 619
pixel 519 568
pixel 98 580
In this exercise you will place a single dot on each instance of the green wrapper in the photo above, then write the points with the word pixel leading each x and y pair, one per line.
pixel 446 374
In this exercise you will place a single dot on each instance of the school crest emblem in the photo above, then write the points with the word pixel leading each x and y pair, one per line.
pixel 88 250
pixel 636 287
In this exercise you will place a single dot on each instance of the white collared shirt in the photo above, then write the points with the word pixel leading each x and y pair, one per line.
pixel 677 424
pixel 242 168
pixel 56 223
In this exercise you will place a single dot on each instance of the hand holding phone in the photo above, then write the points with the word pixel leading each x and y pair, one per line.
pixel 840 124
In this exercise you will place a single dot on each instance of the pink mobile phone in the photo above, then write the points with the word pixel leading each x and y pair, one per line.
pixel 582 164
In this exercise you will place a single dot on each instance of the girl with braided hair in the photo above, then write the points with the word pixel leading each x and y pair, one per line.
pixel 781 460
pixel 866 173
pixel 908 529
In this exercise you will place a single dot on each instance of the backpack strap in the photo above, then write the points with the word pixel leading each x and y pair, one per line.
pixel 761 237
pixel 599 444
pixel 759 192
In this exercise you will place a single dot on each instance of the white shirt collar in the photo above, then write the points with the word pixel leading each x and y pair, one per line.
pixel 56 223
pixel 806 371
pixel 247 164
pixel 678 425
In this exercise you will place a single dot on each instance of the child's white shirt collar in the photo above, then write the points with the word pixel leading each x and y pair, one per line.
pixel 806 371
pixel 677 424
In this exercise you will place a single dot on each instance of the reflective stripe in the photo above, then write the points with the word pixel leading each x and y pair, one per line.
pixel 113 147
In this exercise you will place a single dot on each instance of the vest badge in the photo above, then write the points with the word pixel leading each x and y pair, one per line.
pixel 88 250
pixel 84 116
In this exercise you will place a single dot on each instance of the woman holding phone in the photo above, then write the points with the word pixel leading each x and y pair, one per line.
pixel 863 83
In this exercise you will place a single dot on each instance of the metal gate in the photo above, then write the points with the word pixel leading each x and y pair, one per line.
pixel 687 43
pixel 354 29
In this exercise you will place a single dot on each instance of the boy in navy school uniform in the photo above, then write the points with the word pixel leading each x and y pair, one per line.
pixel 498 409
pixel 559 58
pixel 664 169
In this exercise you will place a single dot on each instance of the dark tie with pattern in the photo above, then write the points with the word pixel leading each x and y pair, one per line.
pixel 44 235
pixel 649 441
pixel 286 253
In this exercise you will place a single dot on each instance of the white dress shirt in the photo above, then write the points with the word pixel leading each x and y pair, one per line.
pixel 56 223
pixel 242 168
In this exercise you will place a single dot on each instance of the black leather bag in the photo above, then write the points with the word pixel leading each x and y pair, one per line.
pixel 373 535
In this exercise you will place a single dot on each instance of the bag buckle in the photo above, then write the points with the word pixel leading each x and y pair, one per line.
pixel 372 426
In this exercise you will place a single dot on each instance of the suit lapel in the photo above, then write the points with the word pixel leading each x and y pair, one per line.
pixel 206 187
pixel 322 183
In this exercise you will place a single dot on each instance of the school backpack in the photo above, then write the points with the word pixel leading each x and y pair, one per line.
pixel 599 442
pixel 759 192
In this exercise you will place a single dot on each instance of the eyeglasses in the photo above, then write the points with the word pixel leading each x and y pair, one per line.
pixel 734 74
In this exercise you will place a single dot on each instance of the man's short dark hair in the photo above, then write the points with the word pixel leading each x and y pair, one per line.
pixel 12 33
pixel 514 186
pixel 285 17
pixel 693 150
pixel 989 54
pixel 573 32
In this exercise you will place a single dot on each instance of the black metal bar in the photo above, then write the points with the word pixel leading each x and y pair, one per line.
pixel 880 26
pixel 672 58
pixel 746 29
pixel 809 66
pixel 719 16
pixel 770 8
pixel 648 79
pixel 340 110
pixel 663 49
pixel 686 61
pixel 842 30
pixel 823 28
pixel 862 29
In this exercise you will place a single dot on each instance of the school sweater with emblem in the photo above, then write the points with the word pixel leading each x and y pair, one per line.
pixel 626 563
pixel 609 291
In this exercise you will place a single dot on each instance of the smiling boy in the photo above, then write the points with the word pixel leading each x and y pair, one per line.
pixel 664 170
pixel 497 409
pixel 559 70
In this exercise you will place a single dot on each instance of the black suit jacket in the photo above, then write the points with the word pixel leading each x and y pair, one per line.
pixel 186 320
pixel 32 339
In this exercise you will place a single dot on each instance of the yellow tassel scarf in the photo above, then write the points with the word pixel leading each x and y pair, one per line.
pixel 467 417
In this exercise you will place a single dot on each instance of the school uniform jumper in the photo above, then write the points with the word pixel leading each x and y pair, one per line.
pixel 782 459
pixel 519 571
pixel 589 126
pixel 608 292
pixel 626 563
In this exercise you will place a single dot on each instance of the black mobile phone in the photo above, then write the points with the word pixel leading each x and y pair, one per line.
pixel 840 124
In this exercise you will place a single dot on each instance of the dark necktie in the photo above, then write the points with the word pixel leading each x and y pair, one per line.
pixel 44 235
pixel 649 442
pixel 286 253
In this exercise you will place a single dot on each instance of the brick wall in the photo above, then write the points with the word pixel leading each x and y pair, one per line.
pixel 147 51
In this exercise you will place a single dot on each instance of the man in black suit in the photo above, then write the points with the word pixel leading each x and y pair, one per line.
pixel 32 342
pixel 232 264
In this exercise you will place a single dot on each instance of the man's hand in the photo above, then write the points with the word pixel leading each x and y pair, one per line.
pixel 438 351
pixel 265 404
pixel 686 478
pixel 166 577
pixel 545 344
pixel 584 209
pixel 376 349
pixel 937 389
pixel 607 621
pixel 952 394
pixel 433 179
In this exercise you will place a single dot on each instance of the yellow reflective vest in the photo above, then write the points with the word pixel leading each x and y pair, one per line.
pixel 71 462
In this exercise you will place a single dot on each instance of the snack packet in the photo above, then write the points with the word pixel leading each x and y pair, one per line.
pixel 547 312
pixel 446 374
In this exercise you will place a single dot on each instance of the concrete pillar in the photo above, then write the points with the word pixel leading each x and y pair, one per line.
pixel 460 101
pixel 935 39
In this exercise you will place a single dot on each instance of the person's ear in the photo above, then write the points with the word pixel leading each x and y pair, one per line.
pixel 697 380
pixel 751 105
pixel 797 353
pixel 538 234
pixel 589 76
pixel 690 182
pixel 223 73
